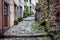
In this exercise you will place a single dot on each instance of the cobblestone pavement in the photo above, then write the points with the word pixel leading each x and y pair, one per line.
pixel 24 28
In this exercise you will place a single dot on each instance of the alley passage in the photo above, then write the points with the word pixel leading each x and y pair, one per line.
pixel 26 28
pixel 22 29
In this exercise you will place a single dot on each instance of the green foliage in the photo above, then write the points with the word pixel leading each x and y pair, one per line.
pixel 37 27
pixel 43 23
pixel 15 22
pixel 38 7
pixel 26 12
pixel 20 19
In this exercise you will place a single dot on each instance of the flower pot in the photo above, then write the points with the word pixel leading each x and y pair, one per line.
pixel 20 19
pixel 15 22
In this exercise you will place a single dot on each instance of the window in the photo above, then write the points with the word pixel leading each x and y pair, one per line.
pixel 30 1
pixel 5 8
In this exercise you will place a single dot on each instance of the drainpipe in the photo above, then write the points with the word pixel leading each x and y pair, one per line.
pixel 19 8
pixel 30 7
pixel 2 17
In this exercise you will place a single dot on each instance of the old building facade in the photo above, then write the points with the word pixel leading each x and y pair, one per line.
pixel 8 13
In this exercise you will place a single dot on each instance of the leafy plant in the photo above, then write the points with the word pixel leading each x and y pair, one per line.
pixel 37 27
pixel 26 12
pixel 15 22
pixel 20 19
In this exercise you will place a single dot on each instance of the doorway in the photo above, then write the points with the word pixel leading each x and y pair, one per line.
pixel 21 11
pixel 5 16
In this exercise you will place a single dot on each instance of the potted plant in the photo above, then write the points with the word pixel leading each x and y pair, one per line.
pixel 20 19
pixel 15 22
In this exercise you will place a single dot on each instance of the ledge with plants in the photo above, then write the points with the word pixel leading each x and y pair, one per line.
pixel 20 19
pixel 15 22
pixel 26 12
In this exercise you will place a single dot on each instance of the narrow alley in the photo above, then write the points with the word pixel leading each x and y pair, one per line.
pixel 25 28
pixel 29 19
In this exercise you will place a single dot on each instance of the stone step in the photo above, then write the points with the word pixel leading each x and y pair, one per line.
pixel 27 38
pixel 33 35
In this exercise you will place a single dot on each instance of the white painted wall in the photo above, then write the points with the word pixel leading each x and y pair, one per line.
pixel 11 13
pixel 22 5
pixel 17 8
pixel 17 2
pixel 34 3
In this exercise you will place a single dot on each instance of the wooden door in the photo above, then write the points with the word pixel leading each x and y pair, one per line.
pixel 5 15
pixel 20 11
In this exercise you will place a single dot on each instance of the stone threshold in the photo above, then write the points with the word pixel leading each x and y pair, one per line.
pixel 35 35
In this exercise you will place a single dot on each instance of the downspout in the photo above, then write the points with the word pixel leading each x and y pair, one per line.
pixel 2 17
pixel 30 7
pixel 19 7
